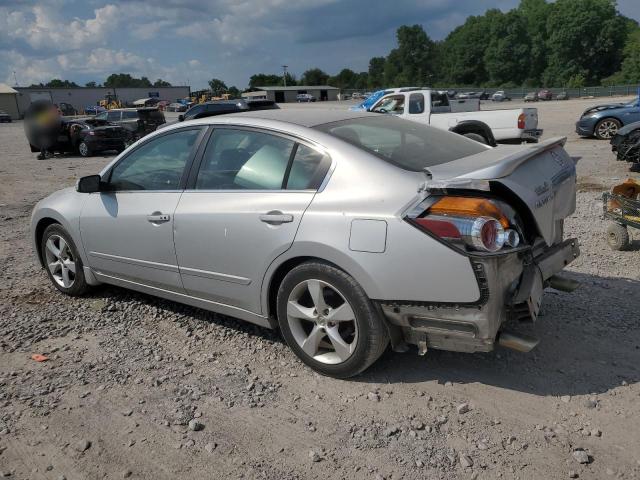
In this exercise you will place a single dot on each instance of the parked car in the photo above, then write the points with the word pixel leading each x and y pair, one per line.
pixel 434 107
pixel 86 136
pixel 531 97
pixel 4 117
pixel 305 97
pixel 562 96
pixel 545 95
pixel 357 95
pixel 500 96
pixel 224 107
pixel 323 223
pixel 137 121
pixel 94 109
pixel 604 121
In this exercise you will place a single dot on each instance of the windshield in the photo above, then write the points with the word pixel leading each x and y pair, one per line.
pixel 408 145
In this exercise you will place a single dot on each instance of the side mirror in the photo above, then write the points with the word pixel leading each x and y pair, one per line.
pixel 181 118
pixel 88 184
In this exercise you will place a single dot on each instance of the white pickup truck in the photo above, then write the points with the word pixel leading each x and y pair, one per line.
pixel 515 125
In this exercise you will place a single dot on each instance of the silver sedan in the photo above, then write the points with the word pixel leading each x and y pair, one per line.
pixel 348 231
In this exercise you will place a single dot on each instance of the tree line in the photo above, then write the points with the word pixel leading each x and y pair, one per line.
pixel 115 80
pixel 564 43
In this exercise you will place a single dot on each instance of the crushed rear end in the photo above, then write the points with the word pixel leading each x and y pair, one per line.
pixel 503 209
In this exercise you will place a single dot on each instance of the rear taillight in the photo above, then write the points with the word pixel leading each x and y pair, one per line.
pixel 469 223
pixel 521 119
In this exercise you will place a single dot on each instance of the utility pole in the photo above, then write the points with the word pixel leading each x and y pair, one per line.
pixel 284 75
pixel 15 79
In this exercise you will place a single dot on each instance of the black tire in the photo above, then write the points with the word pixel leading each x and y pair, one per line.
pixel 79 285
pixel 372 337
pixel 607 128
pixel 617 236
pixel 84 150
pixel 477 137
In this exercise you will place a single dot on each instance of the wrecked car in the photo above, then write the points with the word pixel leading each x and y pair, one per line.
pixel 604 121
pixel 363 230
pixel 626 144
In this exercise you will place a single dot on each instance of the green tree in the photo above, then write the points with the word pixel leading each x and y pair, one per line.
pixel 535 13
pixel 507 55
pixel 91 84
pixel 464 50
pixel 412 62
pixel 264 80
pixel 217 86
pixel 57 83
pixel 376 72
pixel 345 79
pixel 119 80
pixel 630 71
pixel 233 92
pixel 161 83
pixel 314 76
pixel 586 37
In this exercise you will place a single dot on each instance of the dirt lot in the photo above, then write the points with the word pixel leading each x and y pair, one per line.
pixel 128 372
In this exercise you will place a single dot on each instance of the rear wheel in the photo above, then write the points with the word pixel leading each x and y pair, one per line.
pixel 617 236
pixel 83 149
pixel 328 321
pixel 607 128
pixel 477 137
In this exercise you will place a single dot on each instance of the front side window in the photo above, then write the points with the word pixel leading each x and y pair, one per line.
pixel 393 104
pixel 408 145
pixel 157 164
pixel 244 160
pixel 102 116
pixel 128 115
pixel 113 116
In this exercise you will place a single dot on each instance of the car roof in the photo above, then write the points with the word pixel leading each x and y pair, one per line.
pixel 306 117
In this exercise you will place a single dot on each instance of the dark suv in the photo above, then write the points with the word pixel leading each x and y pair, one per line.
pixel 137 121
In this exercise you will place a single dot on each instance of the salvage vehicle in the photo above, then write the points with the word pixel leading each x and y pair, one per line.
pixel 346 230
pixel 435 108
pixel 562 96
pixel 372 98
pixel 604 121
pixel 224 107
pixel 138 122
pixel 85 136
pixel 621 207
pixel 4 117
pixel 626 144
pixel 531 97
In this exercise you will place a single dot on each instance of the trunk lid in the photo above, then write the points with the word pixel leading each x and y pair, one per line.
pixel 542 175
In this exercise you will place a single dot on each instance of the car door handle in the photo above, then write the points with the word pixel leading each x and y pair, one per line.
pixel 276 217
pixel 157 217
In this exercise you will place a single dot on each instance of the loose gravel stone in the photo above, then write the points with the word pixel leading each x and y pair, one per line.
pixel 580 456
pixel 195 425
pixel 83 445
pixel 462 408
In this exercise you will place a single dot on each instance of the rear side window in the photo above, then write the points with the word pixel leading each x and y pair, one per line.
pixel 416 103
pixel 244 160
pixel 113 116
pixel 408 145
pixel 308 169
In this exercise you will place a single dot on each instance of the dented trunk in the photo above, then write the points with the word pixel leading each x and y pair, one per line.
pixel 542 176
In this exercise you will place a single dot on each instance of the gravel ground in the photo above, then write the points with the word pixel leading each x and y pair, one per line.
pixel 138 387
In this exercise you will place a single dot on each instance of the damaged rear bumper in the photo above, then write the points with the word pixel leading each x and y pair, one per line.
pixel 511 288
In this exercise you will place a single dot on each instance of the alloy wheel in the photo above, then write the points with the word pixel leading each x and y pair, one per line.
pixel 84 150
pixel 60 261
pixel 607 129
pixel 322 322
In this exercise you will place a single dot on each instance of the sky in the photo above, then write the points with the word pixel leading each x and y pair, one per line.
pixel 188 42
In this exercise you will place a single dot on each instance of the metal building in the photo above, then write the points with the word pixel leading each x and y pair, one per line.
pixel 9 101
pixel 289 94
pixel 82 97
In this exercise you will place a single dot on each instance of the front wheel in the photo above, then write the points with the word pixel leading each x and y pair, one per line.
pixel 607 128
pixel 328 321
pixel 62 262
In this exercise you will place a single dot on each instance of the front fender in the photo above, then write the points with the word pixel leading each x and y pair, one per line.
pixel 475 126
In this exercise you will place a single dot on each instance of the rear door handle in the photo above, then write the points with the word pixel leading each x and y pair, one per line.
pixel 276 217
pixel 157 217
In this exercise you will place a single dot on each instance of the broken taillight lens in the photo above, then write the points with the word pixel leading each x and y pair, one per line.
pixel 471 223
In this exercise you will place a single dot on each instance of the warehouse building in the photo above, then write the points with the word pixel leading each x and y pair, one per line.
pixel 288 94
pixel 9 101
pixel 82 97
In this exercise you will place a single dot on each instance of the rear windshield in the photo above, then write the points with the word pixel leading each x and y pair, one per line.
pixel 408 145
